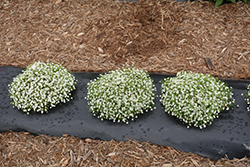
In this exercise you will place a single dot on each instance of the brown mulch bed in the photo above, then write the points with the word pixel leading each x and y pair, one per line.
pixel 158 36
pixel 23 149
pixel 90 35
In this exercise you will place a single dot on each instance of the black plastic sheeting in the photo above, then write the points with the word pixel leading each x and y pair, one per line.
pixel 228 135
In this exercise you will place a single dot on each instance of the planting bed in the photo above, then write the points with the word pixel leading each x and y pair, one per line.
pixel 228 135
pixel 98 36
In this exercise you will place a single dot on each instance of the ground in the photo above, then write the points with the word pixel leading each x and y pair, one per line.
pixel 91 35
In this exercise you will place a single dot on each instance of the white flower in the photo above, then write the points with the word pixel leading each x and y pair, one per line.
pixel 121 95
pixel 247 95
pixel 196 99
pixel 41 86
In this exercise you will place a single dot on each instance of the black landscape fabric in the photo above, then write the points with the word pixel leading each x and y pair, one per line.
pixel 228 135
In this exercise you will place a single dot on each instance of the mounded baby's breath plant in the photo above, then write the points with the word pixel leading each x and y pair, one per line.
pixel 41 86
pixel 196 99
pixel 247 95
pixel 121 95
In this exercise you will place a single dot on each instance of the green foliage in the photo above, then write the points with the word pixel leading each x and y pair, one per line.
pixel 220 2
pixel 247 95
pixel 41 86
pixel 196 99
pixel 121 95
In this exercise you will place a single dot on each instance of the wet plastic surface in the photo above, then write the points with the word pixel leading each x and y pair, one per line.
pixel 229 134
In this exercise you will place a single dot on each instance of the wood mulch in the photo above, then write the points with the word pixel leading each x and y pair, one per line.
pixel 23 149
pixel 157 36
pixel 90 35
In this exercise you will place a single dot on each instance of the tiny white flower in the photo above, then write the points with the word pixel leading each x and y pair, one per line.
pixel 247 99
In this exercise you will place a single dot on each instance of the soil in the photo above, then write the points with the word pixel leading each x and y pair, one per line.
pixel 91 35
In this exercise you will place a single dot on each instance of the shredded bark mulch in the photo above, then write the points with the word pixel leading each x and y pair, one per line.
pixel 91 35
pixel 157 36
pixel 23 149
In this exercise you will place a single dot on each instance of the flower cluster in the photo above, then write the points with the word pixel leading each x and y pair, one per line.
pixel 41 86
pixel 248 98
pixel 121 95
pixel 196 99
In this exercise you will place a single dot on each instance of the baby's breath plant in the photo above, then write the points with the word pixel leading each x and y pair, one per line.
pixel 41 86
pixel 194 98
pixel 248 98
pixel 121 95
